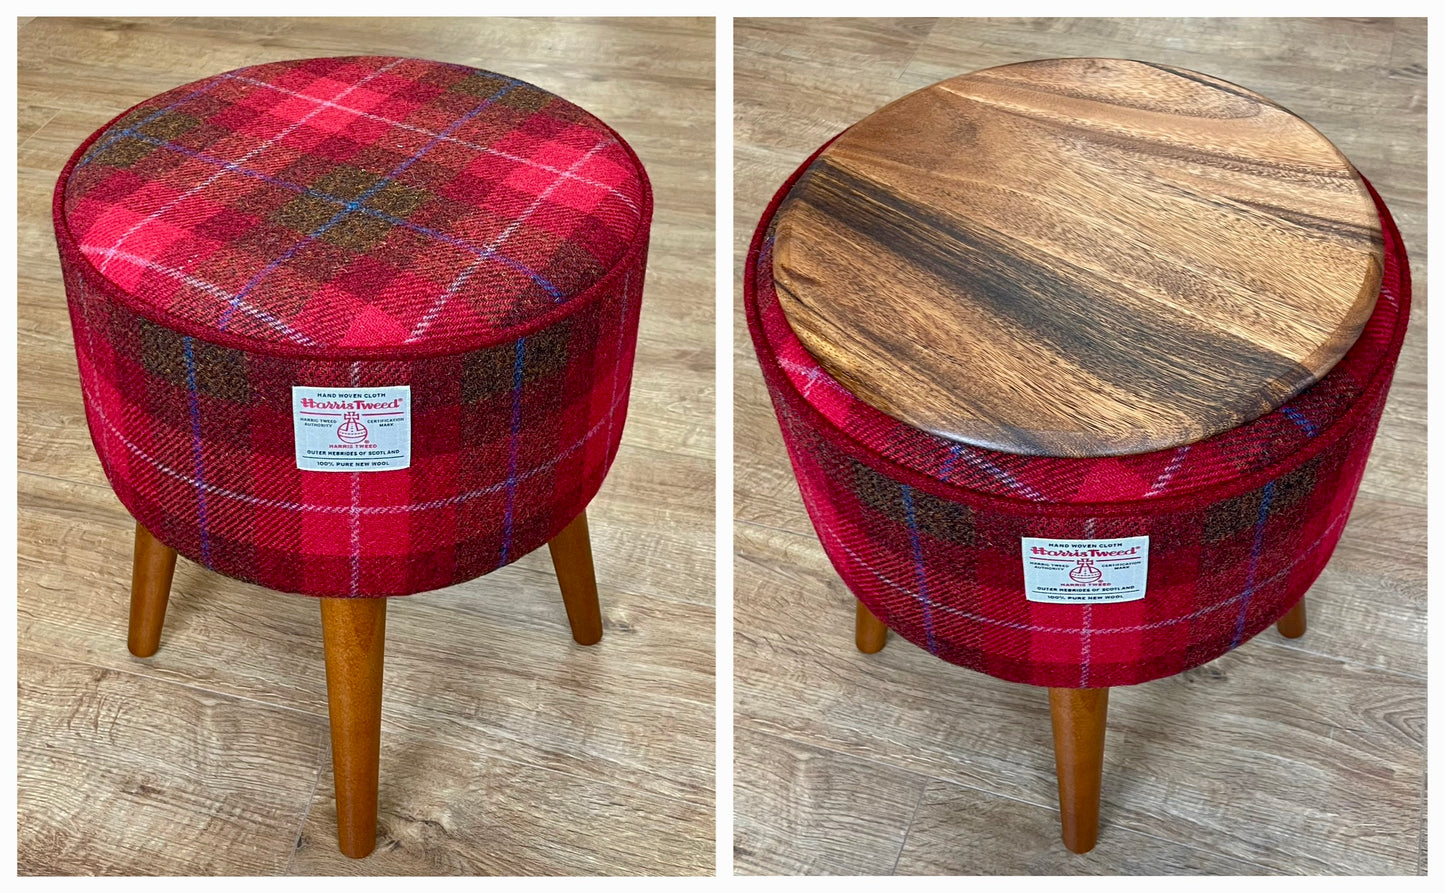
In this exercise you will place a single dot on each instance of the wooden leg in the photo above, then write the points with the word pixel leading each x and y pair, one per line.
pixel 354 630
pixel 872 634
pixel 1292 625
pixel 1078 715
pixel 150 591
pixel 572 557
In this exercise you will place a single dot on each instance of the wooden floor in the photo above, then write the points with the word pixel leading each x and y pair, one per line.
pixel 506 748
pixel 1295 757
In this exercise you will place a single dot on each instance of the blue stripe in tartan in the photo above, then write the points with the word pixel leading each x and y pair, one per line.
pixel 1304 423
pixel 953 453
pixel 130 131
pixel 918 569
pixel 1249 586
pixel 517 365
pixel 484 253
pixel 195 400
pixel 354 205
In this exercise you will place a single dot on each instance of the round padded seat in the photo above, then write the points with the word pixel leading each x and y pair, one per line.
pixel 936 510
pixel 354 326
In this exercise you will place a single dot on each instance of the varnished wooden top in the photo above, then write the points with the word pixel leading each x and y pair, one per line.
pixel 1078 257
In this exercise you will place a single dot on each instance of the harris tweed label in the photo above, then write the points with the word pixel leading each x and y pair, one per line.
pixel 1085 572
pixel 352 429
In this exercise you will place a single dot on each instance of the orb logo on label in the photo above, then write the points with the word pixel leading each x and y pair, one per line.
pixel 351 430
pixel 1085 572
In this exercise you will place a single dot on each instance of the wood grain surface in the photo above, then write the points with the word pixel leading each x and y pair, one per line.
pixel 354 633
pixel 506 747
pixel 1079 257
pixel 1302 756
pixel 150 592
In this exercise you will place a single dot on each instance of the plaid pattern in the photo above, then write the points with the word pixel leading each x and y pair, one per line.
pixel 355 203
pixel 926 531
pixel 518 395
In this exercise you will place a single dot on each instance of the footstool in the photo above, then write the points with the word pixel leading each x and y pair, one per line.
pixel 1078 363
pixel 353 328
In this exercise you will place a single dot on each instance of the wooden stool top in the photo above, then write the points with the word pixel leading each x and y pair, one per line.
pixel 1079 257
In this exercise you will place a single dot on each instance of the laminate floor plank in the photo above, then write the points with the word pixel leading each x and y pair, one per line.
pixel 30 118
pixel 964 831
pixel 810 810
pixel 1422 863
pixel 441 798
pixel 773 107
pixel 125 774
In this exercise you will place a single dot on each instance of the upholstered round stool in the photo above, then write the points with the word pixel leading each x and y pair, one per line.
pixel 1078 363
pixel 355 327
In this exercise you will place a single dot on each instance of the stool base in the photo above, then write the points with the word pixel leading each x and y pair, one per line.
pixel 1292 625
pixel 150 592
pixel 354 630
pixel 872 635
pixel 572 558
pixel 1078 719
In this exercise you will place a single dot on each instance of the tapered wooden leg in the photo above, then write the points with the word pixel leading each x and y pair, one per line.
pixel 354 630
pixel 150 592
pixel 572 557
pixel 1292 625
pixel 872 634
pixel 1078 715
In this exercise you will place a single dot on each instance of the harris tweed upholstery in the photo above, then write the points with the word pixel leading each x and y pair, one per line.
pixel 356 222
pixel 926 531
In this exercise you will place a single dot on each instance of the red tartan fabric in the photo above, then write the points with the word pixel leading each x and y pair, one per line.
pixel 395 205
pixel 354 223
pixel 927 531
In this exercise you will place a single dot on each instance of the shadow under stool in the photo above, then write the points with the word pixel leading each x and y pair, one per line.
pixel 354 328
pixel 1078 363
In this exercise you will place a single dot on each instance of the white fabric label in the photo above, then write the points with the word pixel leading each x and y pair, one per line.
pixel 352 429
pixel 1085 572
